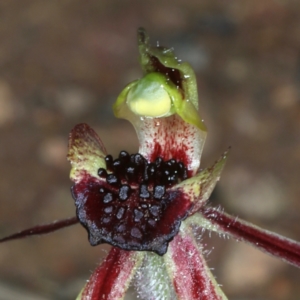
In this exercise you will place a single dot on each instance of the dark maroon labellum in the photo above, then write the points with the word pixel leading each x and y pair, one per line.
pixel 131 205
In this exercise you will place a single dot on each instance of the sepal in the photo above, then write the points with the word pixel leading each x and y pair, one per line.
pixel 192 278
pixel 272 243
pixel 111 279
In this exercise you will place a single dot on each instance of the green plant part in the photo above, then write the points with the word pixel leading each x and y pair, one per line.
pixel 152 96
pixel 167 88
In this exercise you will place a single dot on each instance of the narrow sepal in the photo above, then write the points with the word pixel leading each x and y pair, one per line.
pixel 41 229
pixel 267 241
pixel 111 279
pixel 86 152
pixel 187 267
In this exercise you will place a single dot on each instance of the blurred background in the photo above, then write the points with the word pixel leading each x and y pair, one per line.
pixel 64 62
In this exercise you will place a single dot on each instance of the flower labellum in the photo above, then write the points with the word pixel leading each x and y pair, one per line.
pixel 130 203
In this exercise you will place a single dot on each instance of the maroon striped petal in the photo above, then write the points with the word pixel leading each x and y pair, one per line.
pixel 272 243
pixel 111 279
pixel 191 276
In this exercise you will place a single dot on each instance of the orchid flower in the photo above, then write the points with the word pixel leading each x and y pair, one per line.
pixel 147 205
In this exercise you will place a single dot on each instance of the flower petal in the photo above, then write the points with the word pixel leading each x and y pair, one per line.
pixel 86 152
pixel 187 267
pixel 267 241
pixel 199 187
pixel 111 279
pixel 170 138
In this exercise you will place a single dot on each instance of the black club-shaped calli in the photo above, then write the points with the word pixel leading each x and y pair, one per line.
pixel 147 205
pixel 131 204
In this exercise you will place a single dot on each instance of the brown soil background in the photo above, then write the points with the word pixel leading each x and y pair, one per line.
pixel 64 62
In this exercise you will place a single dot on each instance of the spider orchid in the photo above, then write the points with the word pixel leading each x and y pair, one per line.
pixel 147 205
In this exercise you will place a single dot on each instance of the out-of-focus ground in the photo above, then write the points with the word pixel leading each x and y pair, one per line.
pixel 64 62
